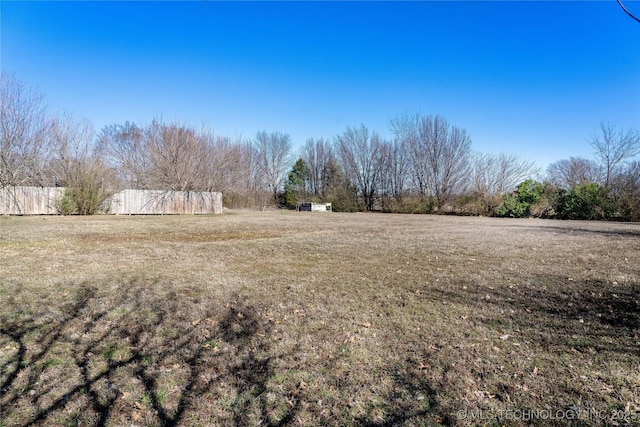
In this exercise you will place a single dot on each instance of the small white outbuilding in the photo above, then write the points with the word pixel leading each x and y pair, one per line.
pixel 313 207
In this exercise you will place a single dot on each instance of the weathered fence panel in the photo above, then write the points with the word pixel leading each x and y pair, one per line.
pixel 153 202
pixel 29 200
pixel 42 201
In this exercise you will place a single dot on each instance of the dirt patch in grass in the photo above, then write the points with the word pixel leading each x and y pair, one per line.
pixel 286 318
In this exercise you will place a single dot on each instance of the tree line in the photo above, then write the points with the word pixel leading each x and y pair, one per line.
pixel 427 167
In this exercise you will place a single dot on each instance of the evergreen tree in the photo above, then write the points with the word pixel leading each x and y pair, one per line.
pixel 295 187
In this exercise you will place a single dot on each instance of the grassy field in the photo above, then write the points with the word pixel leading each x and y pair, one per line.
pixel 284 318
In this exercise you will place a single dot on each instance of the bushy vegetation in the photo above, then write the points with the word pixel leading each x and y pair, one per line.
pixel 84 199
pixel 518 204
pixel 586 201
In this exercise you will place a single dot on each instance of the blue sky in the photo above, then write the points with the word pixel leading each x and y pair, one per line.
pixel 530 78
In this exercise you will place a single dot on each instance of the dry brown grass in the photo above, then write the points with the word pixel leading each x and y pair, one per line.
pixel 307 319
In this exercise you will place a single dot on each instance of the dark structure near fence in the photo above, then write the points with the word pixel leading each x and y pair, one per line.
pixel 43 200
pixel 313 207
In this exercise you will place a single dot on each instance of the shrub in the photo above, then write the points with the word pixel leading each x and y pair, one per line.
pixel 344 200
pixel 625 192
pixel 546 206
pixel 473 204
pixel 586 201
pixel 518 204
pixel 511 207
pixel 85 198
pixel 65 204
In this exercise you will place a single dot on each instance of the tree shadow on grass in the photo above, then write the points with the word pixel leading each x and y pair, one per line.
pixel 582 334
pixel 140 356
pixel 612 231
pixel 562 312
pixel 576 228
pixel 410 401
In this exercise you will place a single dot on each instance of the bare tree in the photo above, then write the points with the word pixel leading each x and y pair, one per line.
pixel 273 151
pixel 216 162
pixel 75 165
pixel 246 180
pixel 71 145
pixel 440 154
pixel 406 129
pixel 395 168
pixel 613 146
pixel 23 133
pixel 179 157
pixel 567 173
pixel 496 174
pixel 361 157
pixel 500 173
pixel 224 159
pixel 316 153
pixel 625 190
pixel 254 182
pixel 122 148
pixel 448 152
pixel 165 156
pixel 234 172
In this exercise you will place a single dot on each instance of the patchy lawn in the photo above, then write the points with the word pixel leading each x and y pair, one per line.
pixel 287 318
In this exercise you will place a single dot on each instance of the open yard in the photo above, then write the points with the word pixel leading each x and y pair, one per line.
pixel 284 318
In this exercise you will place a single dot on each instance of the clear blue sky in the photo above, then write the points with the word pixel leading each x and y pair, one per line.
pixel 530 78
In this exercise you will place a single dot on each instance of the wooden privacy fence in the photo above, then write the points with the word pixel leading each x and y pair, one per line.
pixel 153 202
pixel 42 201
pixel 29 200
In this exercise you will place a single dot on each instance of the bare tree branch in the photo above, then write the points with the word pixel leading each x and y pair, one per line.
pixel 627 11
